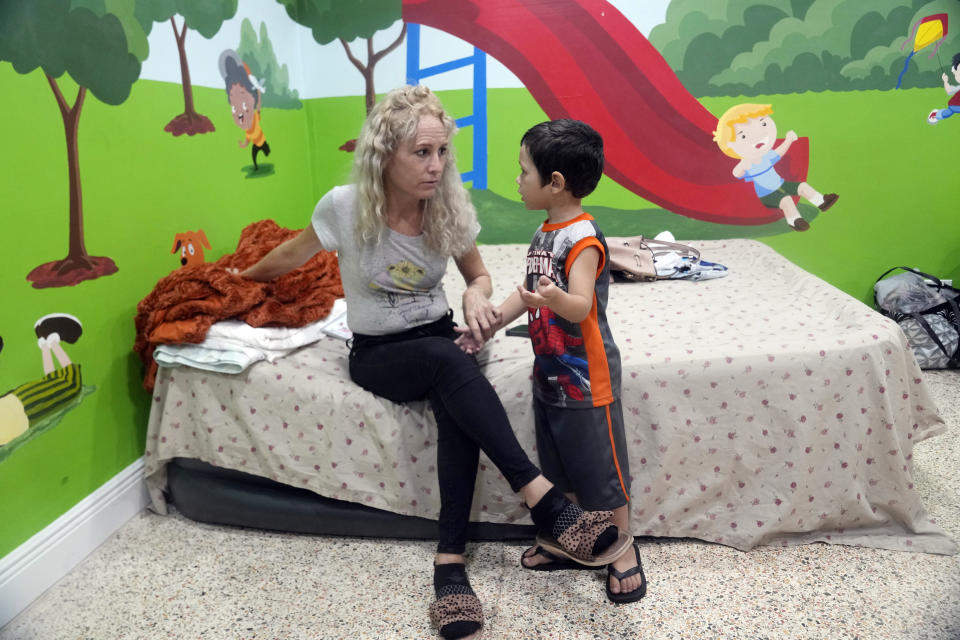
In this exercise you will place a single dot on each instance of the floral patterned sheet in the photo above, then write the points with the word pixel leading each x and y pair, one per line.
pixel 766 407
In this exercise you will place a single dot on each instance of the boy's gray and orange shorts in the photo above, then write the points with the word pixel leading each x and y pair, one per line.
pixel 584 451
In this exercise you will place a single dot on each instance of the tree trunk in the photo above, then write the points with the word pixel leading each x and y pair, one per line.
pixel 78 265
pixel 77 249
pixel 370 93
pixel 71 127
pixel 181 39
pixel 189 122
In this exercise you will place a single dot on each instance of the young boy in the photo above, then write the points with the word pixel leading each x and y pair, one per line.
pixel 953 105
pixel 576 372
pixel 747 132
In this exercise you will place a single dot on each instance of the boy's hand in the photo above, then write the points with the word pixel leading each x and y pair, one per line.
pixel 466 341
pixel 790 136
pixel 946 78
pixel 546 291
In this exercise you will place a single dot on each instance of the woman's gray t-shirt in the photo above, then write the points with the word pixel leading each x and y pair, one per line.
pixel 390 285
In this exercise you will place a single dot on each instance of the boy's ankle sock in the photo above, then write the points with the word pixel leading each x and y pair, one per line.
pixel 554 513
pixel 451 580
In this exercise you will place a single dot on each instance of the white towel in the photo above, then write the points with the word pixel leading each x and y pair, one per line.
pixel 232 345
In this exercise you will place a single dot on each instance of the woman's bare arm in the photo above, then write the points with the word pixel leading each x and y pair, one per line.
pixel 285 257
pixel 480 315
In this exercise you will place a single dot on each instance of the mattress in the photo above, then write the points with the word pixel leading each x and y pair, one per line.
pixel 766 407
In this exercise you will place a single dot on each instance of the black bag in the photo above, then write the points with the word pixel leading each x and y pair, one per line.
pixel 927 312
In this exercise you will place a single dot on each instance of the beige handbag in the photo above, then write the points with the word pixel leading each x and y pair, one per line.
pixel 633 258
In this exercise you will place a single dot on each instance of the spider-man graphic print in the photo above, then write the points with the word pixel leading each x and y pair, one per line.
pixel 575 364
pixel 550 344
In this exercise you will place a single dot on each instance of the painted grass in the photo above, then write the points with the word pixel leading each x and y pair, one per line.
pixel 507 221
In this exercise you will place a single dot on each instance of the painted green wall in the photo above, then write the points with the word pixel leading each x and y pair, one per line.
pixel 895 174
pixel 140 187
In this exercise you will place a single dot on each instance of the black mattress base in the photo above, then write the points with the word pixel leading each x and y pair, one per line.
pixel 206 493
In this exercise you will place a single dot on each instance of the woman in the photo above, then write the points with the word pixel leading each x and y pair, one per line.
pixel 393 230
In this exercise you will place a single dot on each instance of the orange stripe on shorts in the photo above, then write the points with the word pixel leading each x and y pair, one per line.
pixel 616 462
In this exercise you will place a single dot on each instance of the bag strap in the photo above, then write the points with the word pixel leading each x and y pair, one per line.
pixel 911 270
pixel 952 360
pixel 876 303
pixel 952 302
pixel 930 332
pixel 663 246
pixel 657 246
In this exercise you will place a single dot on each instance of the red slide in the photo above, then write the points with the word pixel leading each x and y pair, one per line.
pixel 583 59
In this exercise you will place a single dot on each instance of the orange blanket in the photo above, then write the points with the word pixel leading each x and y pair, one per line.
pixel 183 305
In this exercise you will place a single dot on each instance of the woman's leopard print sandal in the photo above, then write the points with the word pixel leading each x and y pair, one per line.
pixel 457 611
pixel 575 533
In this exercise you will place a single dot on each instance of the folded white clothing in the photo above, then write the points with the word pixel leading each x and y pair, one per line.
pixel 232 345
pixel 220 360
pixel 238 332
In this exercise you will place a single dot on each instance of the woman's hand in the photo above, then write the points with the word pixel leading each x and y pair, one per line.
pixel 481 316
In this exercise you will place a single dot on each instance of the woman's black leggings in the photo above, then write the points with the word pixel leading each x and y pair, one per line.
pixel 423 363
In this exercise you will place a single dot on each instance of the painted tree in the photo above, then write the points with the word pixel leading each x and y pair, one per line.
pixel 700 39
pixel 94 48
pixel 203 16
pixel 347 21
pixel 751 47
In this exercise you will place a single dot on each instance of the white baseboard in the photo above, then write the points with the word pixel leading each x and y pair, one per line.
pixel 34 566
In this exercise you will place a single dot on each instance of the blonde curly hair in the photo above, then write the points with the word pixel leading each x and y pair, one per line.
pixel 449 218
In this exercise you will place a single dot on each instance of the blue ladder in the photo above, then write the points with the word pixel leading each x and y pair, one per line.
pixel 478 119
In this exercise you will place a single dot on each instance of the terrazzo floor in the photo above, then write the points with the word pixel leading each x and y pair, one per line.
pixel 170 577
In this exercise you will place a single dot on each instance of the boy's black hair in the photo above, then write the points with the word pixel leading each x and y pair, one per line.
pixel 570 147
pixel 956 61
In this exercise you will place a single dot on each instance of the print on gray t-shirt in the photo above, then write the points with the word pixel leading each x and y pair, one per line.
pixel 391 285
